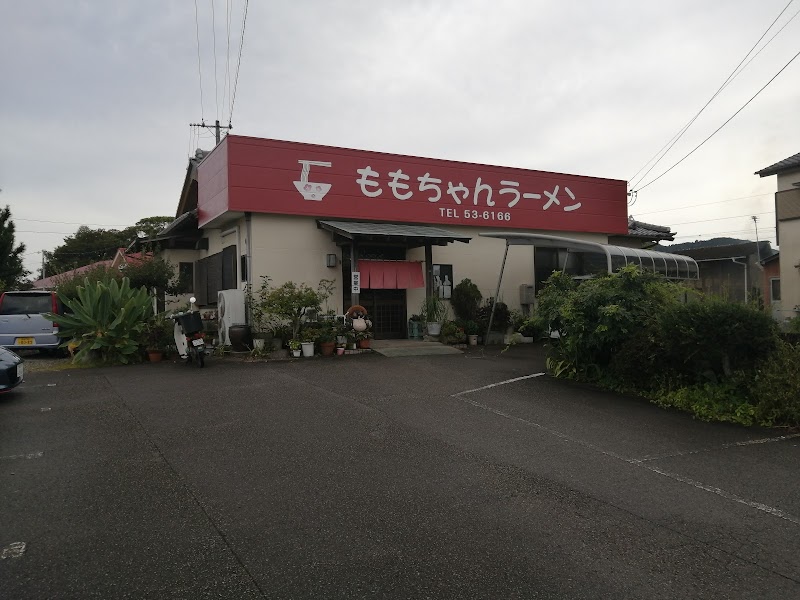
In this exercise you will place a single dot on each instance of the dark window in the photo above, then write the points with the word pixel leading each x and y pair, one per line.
pixel 230 280
pixel 185 277
pixel 774 290
pixel 243 266
pixel 214 273
pixel 26 304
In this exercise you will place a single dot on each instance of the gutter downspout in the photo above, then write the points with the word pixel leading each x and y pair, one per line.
pixel 744 264
pixel 248 219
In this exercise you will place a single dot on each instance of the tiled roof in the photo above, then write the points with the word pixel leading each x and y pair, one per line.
pixel 787 164
pixel 50 282
pixel 728 251
pixel 641 229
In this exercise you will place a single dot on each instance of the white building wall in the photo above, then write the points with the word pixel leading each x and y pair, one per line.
pixel 292 248
pixel 789 236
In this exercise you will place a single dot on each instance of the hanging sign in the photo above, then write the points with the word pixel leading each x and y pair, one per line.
pixel 355 282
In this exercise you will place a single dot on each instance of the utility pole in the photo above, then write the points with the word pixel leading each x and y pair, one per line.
pixel 758 246
pixel 216 127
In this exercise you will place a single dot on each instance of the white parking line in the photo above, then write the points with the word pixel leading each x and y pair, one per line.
pixel 13 550
pixel 491 385
pixel 28 456
pixel 770 510
pixel 769 440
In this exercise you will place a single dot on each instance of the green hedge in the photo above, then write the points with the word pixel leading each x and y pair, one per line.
pixel 637 332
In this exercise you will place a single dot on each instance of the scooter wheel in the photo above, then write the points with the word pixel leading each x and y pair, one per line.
pixel 201 359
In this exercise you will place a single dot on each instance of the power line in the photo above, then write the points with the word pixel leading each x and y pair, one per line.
pixel 199 72
pixel 69 223
pixel 226 90
pixel 694 235
pixel 730 78
pixel 722 218
pixel 214 35
pixel 239 61
pixel 705 204
pixel 791 60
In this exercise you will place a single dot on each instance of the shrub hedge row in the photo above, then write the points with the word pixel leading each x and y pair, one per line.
pixel 637 332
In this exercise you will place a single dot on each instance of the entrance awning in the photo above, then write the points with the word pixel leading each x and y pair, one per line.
pixel 413 236
pixel 390 274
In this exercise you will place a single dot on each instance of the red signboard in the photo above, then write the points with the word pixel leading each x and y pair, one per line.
pixel 270 176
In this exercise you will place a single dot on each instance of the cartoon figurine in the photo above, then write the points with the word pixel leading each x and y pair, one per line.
pixel 357 317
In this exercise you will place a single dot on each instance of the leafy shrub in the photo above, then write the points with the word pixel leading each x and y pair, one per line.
pixel 452 333
pixel 466 299
pixel 709 340
pixel 107 321
pixel 502 316
pixel 727 402
pixel 67 286
pixel 597 318
pixel 153 273
pixel 532 327
pixel 289 302
pixel 775 387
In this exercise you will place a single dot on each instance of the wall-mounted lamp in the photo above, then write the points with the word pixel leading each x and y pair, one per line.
pixel 330 260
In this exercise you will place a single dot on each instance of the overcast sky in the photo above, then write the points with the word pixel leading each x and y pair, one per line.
pixel 97 96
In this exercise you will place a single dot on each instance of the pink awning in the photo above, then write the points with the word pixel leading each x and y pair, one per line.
pixel 390 274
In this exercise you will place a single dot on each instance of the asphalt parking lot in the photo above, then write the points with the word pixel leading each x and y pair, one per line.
pixel 362 477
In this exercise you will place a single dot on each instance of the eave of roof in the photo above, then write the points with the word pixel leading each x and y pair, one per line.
pixel 787 164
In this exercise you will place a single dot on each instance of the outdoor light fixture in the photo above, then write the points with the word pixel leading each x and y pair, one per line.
pixel 330 260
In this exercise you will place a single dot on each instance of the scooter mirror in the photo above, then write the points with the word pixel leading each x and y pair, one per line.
pixel 192 299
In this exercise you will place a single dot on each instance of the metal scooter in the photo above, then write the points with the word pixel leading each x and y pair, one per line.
pixel 189 335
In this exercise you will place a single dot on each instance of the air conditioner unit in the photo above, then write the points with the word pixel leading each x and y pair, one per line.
pixel 230 311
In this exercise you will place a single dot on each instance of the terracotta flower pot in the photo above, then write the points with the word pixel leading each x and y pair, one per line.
pixel 155 355
pixel 327 348
pixel 364 344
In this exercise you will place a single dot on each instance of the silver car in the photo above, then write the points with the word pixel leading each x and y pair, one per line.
pixel 22 324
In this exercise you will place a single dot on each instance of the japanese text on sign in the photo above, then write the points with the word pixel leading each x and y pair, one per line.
pixel 481 193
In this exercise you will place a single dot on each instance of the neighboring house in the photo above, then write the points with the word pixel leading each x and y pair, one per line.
pixel 642 235
pixel 120 260
pixel 787 222
pixel 772 283
pixel 732 271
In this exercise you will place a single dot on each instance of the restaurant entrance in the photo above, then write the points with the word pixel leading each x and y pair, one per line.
pixel 385 307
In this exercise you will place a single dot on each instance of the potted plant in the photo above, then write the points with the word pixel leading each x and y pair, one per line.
pixel 308 337
pixel 434 311
pixel 294 348
pixel 327 338
pixel 158 337
pixel 471 329
pixel 351 340
pixel 452 333
pixel 363 339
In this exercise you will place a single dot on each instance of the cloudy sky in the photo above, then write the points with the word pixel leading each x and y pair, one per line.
pixel 97 97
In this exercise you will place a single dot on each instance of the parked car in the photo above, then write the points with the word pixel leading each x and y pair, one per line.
pixel 11 370
pixel 22 324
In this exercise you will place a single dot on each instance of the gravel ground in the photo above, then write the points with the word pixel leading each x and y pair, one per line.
pixel 39 361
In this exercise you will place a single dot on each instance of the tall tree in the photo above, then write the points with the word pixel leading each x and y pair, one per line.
pixel 85 247
pixel 11 270
pixel 88 245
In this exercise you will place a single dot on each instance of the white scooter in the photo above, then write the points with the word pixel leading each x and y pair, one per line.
pixel 188 333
